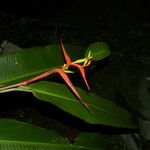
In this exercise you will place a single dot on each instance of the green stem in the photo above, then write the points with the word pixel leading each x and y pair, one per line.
pixel 21 88
pixel 81 60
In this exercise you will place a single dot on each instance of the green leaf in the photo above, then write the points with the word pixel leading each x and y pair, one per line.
pixel 17 135
pixel 27 63
pixel 103 111
pixel 30 62
pixel 98 51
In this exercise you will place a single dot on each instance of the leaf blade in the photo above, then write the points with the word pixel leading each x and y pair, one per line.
pixel 27 63
pixel 104 112
pixel 98 50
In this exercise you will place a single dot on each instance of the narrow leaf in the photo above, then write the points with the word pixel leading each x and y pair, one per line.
pixel 103 111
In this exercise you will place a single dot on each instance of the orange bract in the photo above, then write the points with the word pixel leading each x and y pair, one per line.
pixel 80 67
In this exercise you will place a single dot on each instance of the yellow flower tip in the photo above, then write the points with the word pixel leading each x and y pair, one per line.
pixel 68 71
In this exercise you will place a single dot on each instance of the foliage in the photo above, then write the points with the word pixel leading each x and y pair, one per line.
pixel 17 135
pixel 36 60
pixel 103 111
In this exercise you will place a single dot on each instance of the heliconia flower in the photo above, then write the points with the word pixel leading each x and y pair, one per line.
pixel 62 71
pixel 80 67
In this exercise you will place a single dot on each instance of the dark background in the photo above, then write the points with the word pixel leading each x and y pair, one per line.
pixel 124 25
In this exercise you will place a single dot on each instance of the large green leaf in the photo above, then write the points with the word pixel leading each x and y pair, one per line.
pixel 30 62
pixel 27 63
pixel 103 111
pixel 17 135
pixel 98 50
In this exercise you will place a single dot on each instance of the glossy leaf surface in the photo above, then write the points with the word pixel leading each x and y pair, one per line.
pixel 103 111
pixel 30 62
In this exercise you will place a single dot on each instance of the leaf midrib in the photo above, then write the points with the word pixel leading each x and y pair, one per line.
pixel 62 97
